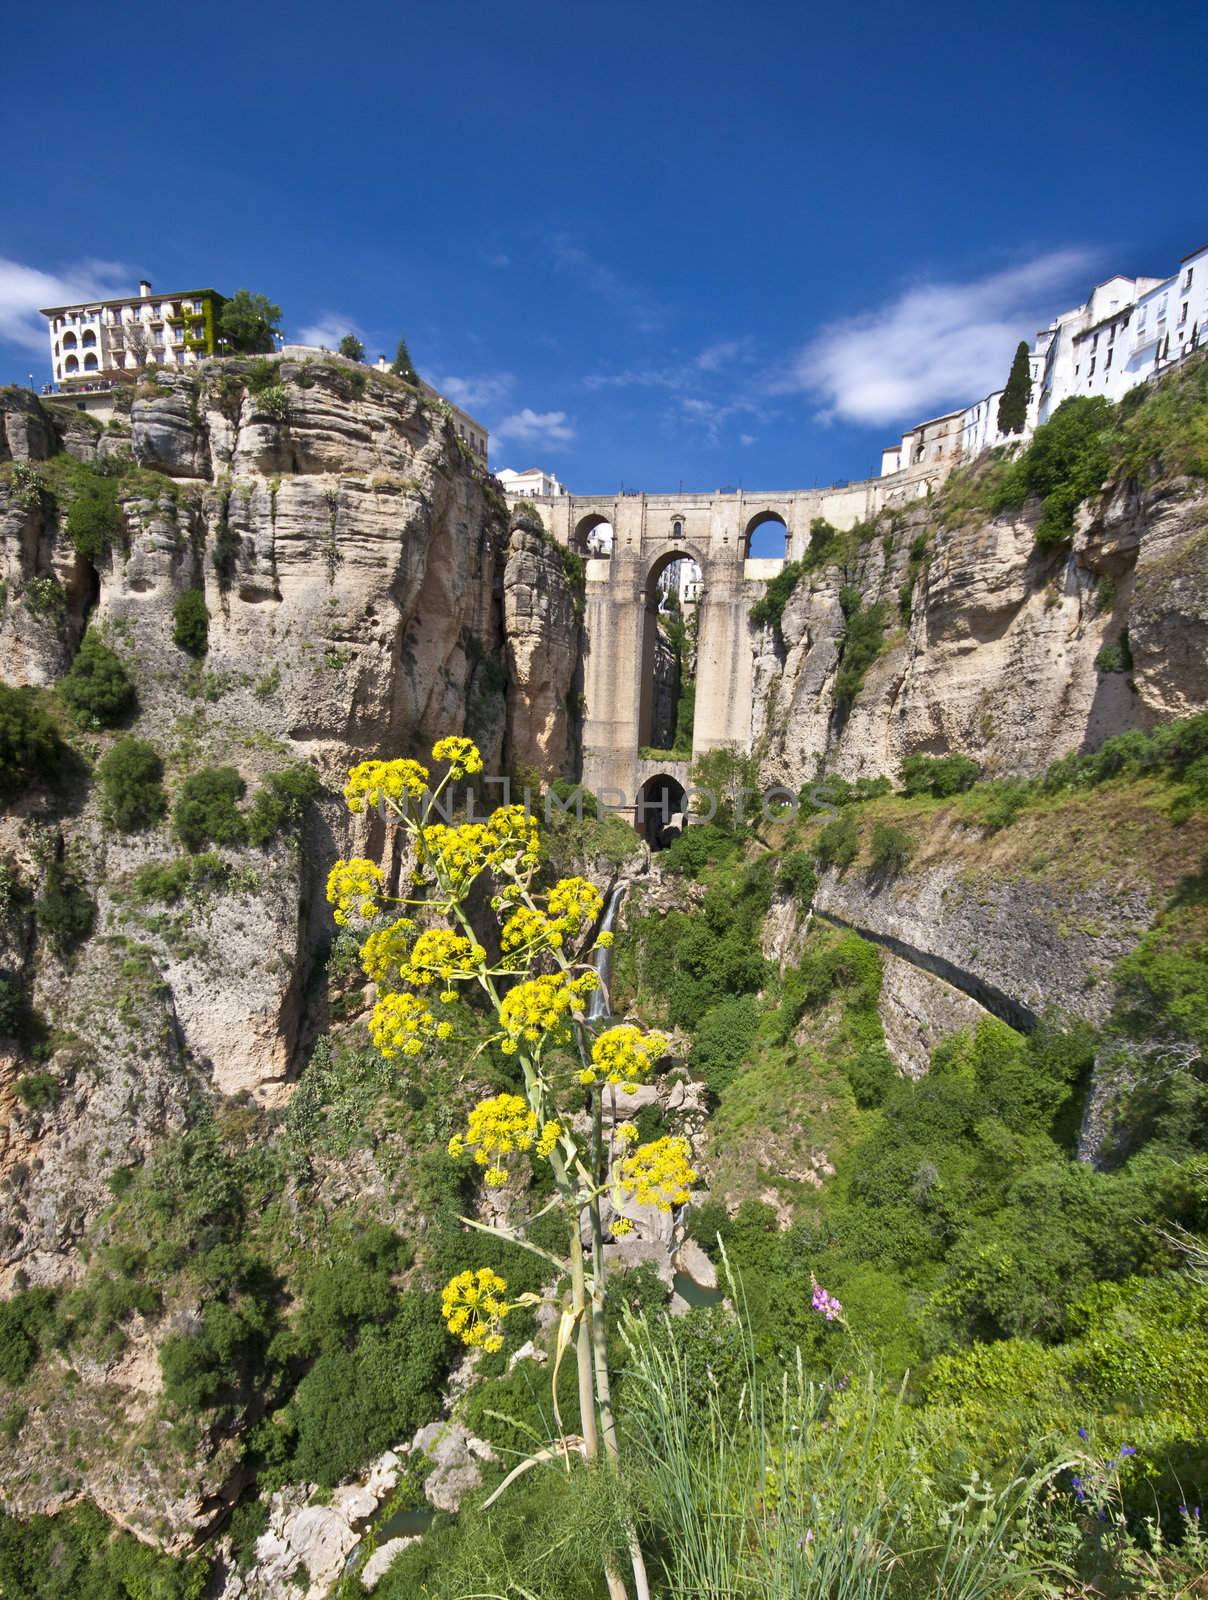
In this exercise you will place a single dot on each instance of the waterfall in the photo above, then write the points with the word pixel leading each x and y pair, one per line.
pixel 602 959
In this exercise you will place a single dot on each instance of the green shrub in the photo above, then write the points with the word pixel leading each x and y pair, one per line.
pixel 191 623
pixel 354 1402
pixel 941 776
pixel 94 518
pixel 27 1321
pixel 81 1555
pixel 838 844
pixel 723 1037
pixel 1116 656
pixel 280 801
pixel 892 848
pixel 207 808
pixel 1068 460
pixel 97 688
pixel 768 610
pixel 351 347
pixel 132 788
pixel 169 881
pixel 29 741
pixel 797 876
pixel 861 646
pixel 700 846
pixel 13 1007
pixel 38 1090
pixel 65 912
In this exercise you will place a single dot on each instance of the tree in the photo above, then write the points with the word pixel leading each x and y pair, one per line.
pixel 402 366
pixel 132 787
pixel 352 347
pixel 207 808
pixel 98 689
pixel 29 740
pixel 191 623
pixel 1013 407
pixel 247 323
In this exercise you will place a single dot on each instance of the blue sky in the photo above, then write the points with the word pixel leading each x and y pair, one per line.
pixel 647 244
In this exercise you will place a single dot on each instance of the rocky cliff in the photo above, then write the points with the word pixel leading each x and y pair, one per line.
pixel 993 646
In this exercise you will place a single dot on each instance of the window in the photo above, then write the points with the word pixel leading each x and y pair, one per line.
pixel 1187 279
pixel 1108 362
pixel 1092 371
pixel 1183 313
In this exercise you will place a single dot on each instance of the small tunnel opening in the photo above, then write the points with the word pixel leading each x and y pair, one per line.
pixel 661 811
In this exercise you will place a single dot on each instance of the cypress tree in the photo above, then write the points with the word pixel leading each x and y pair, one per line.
pixel 1013 407
pixel 401 365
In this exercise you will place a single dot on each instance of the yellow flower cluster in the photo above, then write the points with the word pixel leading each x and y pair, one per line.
pixel 623 1055
pixel 574 904
pixel 401 1023
pixel 524 933
pixel 371 782
pixel 384 952
pixel 659 1174
pixel 459 854
pixel 519 839
pixel 441 953
pixel 542 1008
pixel 472 1308
pixel 498 1128
pixel 461 754
pixel 353 887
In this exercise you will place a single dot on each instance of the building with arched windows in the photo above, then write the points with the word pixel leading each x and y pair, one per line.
pixel 101 343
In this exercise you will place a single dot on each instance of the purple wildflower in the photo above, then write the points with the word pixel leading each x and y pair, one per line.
pixel 826 1304
pixel 1126 1450
pixel 1082 1433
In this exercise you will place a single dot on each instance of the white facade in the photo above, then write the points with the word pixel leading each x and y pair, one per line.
pixel 1128 329
pixel 531 484
pixel 106 339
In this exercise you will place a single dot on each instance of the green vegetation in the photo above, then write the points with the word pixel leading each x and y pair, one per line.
pixel 29 741
pixel 94 517
pixel 191 623
pixel 892 848
pixel 131 776
pixel 860 647
pixel 206 810
pixel 97 689
pixel 938 775
pixel 81 1554
pixel 1017 395
pixel 402 365
pixel 1116 656
pixel 768 610
pixel 247 324
pixel 352 347
pixel 65 911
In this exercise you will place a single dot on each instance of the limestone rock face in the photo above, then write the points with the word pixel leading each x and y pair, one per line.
pixel 542 631
pixel 998 657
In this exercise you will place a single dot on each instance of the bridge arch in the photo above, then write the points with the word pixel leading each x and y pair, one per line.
pixel 594 535
pixel 766 536
pixel 664 665
pixel 660 809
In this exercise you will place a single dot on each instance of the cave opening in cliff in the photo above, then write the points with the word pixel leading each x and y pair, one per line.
pixel 661 810
pixel 668 699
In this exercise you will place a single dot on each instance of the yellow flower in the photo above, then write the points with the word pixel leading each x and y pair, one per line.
pixel 547 1143
pixel 574 904
pixel 353 887
pixel 500 1127
pixel 384 952
pixel 626 1132
pixel 461 754
pixel 624 1055
pixel 457 855
pixel 659 1174
pixel 400 1024
pixel 621 1226
pixel 372 782
pixel 604 941
pixel 441 953
pixel 524 933
pixel 543 1008
pixel 473 1309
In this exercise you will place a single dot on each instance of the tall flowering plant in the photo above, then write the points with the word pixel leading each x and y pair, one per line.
pixel 538 989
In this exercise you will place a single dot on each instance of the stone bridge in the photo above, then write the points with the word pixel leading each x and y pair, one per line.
pixel 648 533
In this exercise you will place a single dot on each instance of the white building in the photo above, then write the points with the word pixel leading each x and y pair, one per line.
pixel 96 345
pixel 1127 330
pixel 531 484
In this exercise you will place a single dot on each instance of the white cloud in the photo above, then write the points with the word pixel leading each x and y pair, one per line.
pixel 632 301
pixel 685 376
pixel 746 438
pixel 472 393
pixel 936 345
pixel 330 329
pixel 548 429
pixel 23 290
